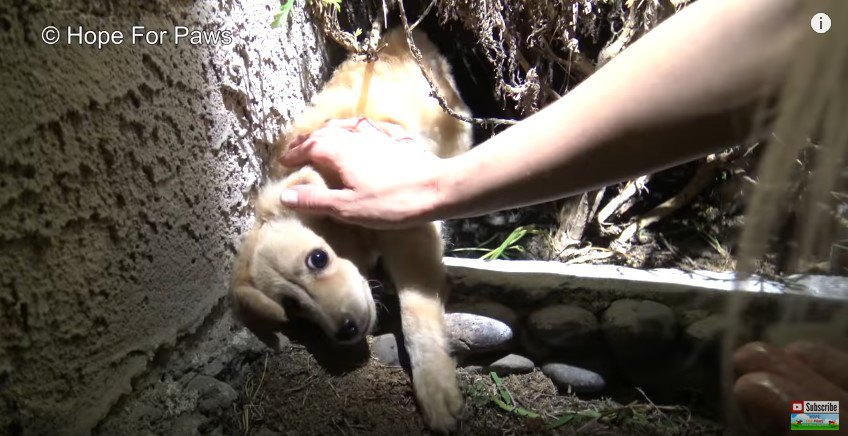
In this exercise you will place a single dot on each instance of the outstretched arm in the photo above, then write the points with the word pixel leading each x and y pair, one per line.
pixel 689 87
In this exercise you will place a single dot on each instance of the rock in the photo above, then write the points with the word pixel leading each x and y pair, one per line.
pixel 143 411
pixel 470 333
pixel 265 431
pixel 687 317
pixel 244 341
pixel 706 333
pixel 512 364
pixel 563 326
pixel 213 394
pixel 579 380
pixel 385 349
pixel 488 309
pixel 639 328
pixel 474 369
pixel 243 345
pixel 187 425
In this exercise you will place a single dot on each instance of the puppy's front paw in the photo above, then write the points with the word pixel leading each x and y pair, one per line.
pixel 438 395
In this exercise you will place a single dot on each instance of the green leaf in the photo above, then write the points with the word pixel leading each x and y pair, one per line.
pixel 336 3
pixel 510 243
pixel 460 250
pixel 479 393
pixel 357 32
pixel 281 18
pixel 526 413
pixel 590 414
pixel 501 404
pixel 504 393
pixel 561 421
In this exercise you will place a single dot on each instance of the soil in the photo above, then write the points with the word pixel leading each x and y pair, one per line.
pixel 288 392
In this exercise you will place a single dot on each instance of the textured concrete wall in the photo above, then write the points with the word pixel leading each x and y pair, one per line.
pixel 125 174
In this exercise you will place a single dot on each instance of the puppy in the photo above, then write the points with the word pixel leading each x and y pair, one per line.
pixel 294 264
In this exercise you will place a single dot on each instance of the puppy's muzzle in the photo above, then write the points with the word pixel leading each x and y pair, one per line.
pixel 352 328
pixel 349 330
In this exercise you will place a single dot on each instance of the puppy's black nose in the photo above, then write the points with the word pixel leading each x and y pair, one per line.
pixel 348 331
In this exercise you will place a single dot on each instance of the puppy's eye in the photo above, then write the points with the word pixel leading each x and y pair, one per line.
pixel 317 260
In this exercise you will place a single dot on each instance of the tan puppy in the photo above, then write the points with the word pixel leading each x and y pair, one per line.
pixel 295 264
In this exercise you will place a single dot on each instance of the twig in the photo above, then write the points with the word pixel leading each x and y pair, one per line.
pixel 592 255
pixel 421 18
pixel 330 25
pixel 630 189
pixel 434 88
pixel 667 408
pixel 703 177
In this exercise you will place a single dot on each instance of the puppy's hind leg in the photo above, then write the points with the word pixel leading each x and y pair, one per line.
pixel 413 260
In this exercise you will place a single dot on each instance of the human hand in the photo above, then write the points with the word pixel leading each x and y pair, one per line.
pixel 772 377
pixel 388 177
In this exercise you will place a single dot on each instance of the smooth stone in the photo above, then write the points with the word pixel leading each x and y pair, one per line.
pixel 564 326
pixel 213 394
pixel 385 349
pixel 469 333
pixel 512 364
pixel 687 317
pixel 488 309
pixel 707 332
pixel 579 380
pixel 639 328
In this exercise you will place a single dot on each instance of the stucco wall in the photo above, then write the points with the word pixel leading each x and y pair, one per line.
pixel 125 174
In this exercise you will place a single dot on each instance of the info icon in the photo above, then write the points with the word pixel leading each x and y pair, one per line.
pixel 797 407
pixel 820 22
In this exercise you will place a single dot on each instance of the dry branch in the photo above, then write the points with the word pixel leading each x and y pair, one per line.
pixel 328 17
pixel 434 87
pixel 630 189
pixel 703 177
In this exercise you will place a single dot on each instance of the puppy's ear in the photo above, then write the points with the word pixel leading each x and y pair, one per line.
pixel 260 314
pixel 269 206
pixel 254 307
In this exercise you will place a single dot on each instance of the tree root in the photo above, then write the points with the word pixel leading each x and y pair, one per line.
pixel 703 177
pixel 434 88
pixel 617 205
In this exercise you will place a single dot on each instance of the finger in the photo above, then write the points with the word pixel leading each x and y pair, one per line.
pixel 299 154
pixel 764 399
pixel 761 357
pixel 297 141
pixel 829 362
pixel 315 149
pixel 315 199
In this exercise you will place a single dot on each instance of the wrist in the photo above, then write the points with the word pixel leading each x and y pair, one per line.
pixel 442 190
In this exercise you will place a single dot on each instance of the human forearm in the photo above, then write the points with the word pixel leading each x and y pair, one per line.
pixel 683 90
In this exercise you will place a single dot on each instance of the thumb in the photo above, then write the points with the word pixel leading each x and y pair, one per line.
pixel 314 198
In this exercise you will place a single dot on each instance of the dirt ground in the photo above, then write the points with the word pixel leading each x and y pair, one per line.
pixel 288 392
